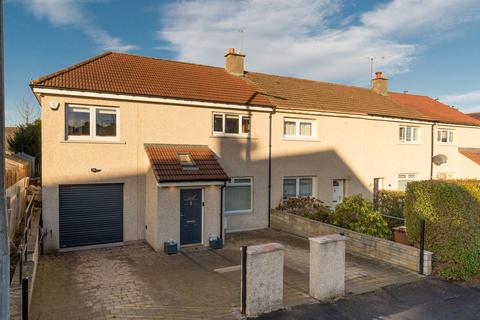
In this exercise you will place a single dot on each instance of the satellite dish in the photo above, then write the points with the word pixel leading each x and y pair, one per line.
pixel 439 159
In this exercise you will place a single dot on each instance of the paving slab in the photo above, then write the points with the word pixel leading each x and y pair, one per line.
pixel 135 282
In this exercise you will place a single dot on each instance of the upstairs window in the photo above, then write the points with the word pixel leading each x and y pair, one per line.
pixel 231 124
pixel 445 136
pixel 408 134
pixel 298 128
pixel 79 120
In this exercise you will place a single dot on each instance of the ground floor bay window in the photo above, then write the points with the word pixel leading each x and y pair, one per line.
pixel 238 195
pixel 297 187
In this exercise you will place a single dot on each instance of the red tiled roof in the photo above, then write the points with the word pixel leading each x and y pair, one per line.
pixel 471 153
pixel 433 109
pixel 294 93
pixel 475 115
pixel 136 75
pixel 167 168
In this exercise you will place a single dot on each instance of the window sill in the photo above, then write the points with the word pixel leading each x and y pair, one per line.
pixel 94 141
pixel 411 143
pixel 300 139
pixel 240 212
pixel 232 136
pixel 446 144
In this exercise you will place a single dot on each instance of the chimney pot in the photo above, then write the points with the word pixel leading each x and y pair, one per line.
pixel 380 84
pixel 234 62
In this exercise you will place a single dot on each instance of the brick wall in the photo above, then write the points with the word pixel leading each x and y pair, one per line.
pixel 361 244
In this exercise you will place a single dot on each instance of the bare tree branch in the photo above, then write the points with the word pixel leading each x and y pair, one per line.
pixel 27 110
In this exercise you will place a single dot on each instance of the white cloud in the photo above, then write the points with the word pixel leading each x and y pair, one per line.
pixel 296 38
pixel 71 13
pixel 466 101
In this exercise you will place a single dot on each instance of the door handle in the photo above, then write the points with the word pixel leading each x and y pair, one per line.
pixel 190 221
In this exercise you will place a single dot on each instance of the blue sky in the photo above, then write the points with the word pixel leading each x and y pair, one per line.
pixel 429 47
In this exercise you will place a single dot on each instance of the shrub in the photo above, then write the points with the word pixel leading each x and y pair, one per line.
pixel 357 214
pixel 391 203
pixel 451 210
pixel 308 207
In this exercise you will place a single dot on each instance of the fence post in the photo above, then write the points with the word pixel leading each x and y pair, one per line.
pixel 422 246
pixel 244 280
pixel 25 298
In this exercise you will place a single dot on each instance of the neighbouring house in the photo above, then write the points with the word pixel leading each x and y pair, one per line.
pixel 140 148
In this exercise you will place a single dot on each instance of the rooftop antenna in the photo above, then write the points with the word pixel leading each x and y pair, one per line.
pixel 241 31
pixel 372 61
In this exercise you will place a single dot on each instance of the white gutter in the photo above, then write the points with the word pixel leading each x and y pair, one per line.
pixel 190 184
pixel 124 97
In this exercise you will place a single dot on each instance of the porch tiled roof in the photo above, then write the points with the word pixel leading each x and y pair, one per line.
pixel 471 153
pixel 167 168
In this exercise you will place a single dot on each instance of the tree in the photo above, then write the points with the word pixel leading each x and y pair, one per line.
pixel 27 110
pixel 27 139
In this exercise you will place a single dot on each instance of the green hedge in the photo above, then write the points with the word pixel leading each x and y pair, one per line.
pixel 451 210
pixel 357 214
pixel 391 203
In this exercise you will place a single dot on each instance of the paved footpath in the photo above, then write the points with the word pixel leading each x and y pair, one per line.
pixel 428 299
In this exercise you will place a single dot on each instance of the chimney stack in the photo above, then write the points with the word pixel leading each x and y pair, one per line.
pixel 380 84
pixel 234 62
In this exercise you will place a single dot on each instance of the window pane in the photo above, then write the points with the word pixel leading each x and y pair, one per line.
pixel 106 123
pixel 415 131
pixel 305 129
pixel 305 187
pixel 450 136
pixel 401 134
pixel 238 198
pixel 289 188
pixel 439 136
pixel 245 124
pixel 218 123
pixel 408 134
pixel 78 121
pixel 289 128
pixel 242 180
pixel 444 136
pixel 231 124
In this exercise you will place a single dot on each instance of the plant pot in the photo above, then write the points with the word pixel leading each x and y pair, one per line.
pixel 400 235
pixel 170 248
pixel 216 243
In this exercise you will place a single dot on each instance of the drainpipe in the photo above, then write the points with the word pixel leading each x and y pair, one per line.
pixel 432 150
pixel 270 166
pixel 221 209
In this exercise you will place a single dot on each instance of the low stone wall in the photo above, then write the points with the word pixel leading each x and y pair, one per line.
pixel 360 244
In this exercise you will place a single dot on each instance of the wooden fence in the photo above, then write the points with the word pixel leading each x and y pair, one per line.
pixel 16 199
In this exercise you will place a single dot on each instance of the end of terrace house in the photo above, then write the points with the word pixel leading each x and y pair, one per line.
pixel 138 148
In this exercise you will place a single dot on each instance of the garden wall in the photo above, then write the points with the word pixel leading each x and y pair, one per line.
pixel 360 244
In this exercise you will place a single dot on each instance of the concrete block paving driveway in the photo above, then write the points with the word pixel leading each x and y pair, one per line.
pixel 135 282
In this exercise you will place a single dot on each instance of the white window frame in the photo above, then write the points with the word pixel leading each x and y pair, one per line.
pixel 93 123
pixel 407 178
pixel 240 120
pixel 233 182
pixel 297 185
pixel 297 135
pixel 404 139
pixel 448 175
pixel 448 131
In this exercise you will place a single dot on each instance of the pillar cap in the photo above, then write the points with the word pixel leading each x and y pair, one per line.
pixel 329 238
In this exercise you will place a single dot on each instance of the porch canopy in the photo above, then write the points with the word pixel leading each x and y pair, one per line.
pixel 181 164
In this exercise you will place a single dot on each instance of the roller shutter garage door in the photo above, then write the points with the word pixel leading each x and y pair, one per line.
pixel 90 214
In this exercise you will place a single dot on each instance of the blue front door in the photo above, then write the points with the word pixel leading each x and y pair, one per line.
pixel 190 216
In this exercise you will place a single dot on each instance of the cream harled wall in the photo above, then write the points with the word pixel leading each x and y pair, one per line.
pixel 69 162
pixel 351 148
